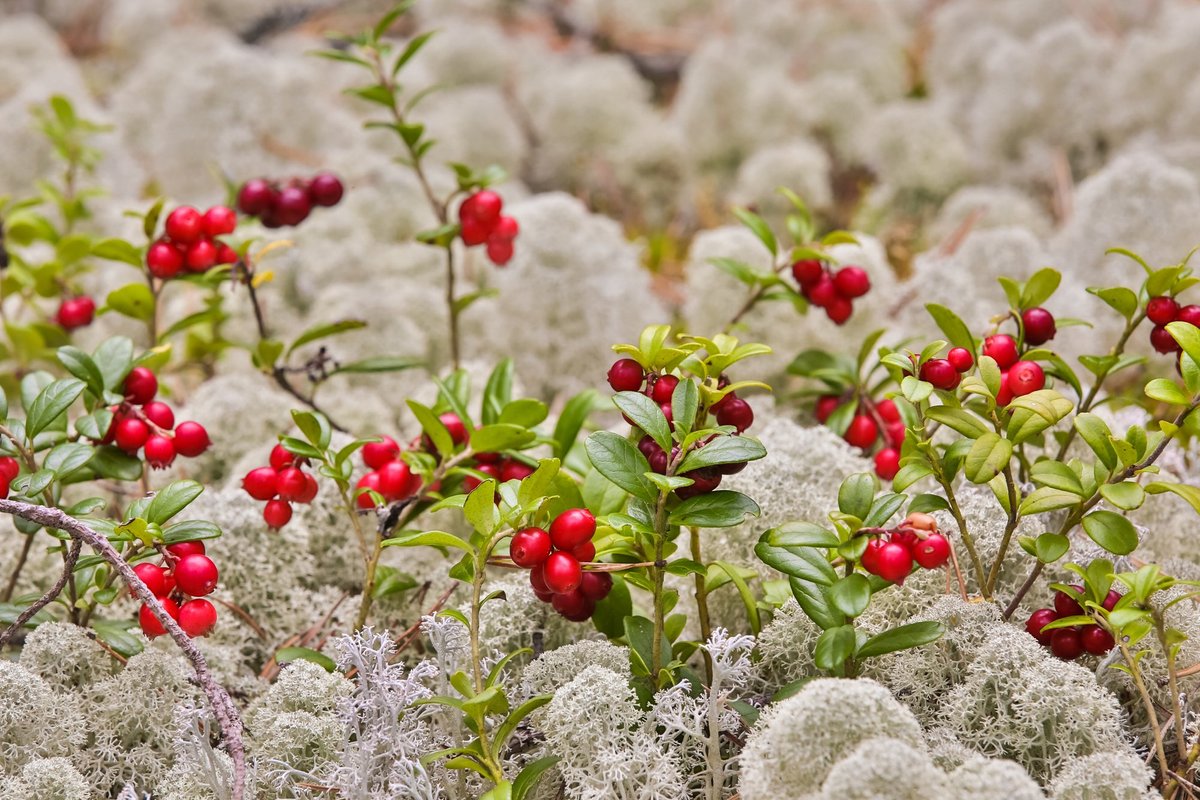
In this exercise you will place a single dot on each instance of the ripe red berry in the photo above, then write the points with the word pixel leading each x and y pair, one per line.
pixel 473 231
pixel 574 605
pixel 1110 600
pixel 807 271
pixel 226 254
pixel 310 489
pixel 150 624
pixel 1039 326
pixel 1002 349
pixel 852 282
pixel 626 375
pixel 664 387
pixel 277 513
pixel 201 255
pixel 219 221
pixel 160 414
pixel 159 451
pixel 76 312
pixel 1005 395
pixel 826 405
pixel 893 562
pixel 839 309
pixel 471 483
pixel 395 480
pixel 181 549
pixel 1067 605
pixel 704 480
pixel 458 431
pixel 584 552
pixel 376 454
pixel 1066 644
pixel 1038 620
pixel 1096 640
pixel 537 580
pixel 596 585
pixel 823 292
pixel 1162 309
pixel 164 260
pixel 197 617
pixel 254 197
pixel 562 573
pixel 513 470
pixel 140 386
pixel 290 483
pixel 484 207
pixel 887 410
pixel 9 467
pixel 196 575
pixel 369 481
pixel 293 205
pixel 1024 378
pixel 261 483
pixel 572 527
pixel 153 576
pixel 1163 341
pixel 736 412
pixel 529 547
pixel 280 457
pixel 499 251
pixel 326 189
pixel 185 225
pixel 941 373
pixel 960 358
pixel 1190 315
pixel 887 463
pixel 131 434
pixel 931 552
pixel 191 439
pixel 506 229
pixel 862 431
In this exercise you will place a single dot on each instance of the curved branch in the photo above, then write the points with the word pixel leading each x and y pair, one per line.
pixel 226 713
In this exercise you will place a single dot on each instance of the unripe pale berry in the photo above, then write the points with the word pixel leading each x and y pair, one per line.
pixel 191 439
pixel 626 375
pixel 1162 310
pixel 1025 377
pixel 887 463
pixel 862 431
pixel 529 547
pixel 140 386
pixel 1002 349
pixel 159 451
pixel 185 225
pixel 852 282
pixel 960 358
pixel 1039 325
pixel 277 513
pixel 931 552
pixel 572 527
pixel 150 624
pixel 1038 620
pixel 195 575
pixel 562 573
pixel 261 483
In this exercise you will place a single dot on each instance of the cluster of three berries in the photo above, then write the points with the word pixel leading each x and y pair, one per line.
pixel 831 290
pixel 916 540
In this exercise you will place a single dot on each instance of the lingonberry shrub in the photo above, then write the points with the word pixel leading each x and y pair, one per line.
pixel 288 202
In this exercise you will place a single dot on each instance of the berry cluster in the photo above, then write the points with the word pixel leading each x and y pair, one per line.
pixel 10 468
pixel 916 539
pixel 390 476
pixel 75 312
pixel 143 423
pixel 1162 310
pixel 1070 643
pixel 184 572
pixel 190 242
pixel 946 373
pixel 499 467
pixel 1017 377
pixel 864 432
pixel 831 290
pixel 554 562
pixel 482 223
pixel 282 483
pixel 291 202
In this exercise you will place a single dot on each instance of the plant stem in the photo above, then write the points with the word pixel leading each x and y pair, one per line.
pixel 1136 673
pixel 702 604
pixel 452 309
pixel 1179 714
pixel 964 534
pixel 16 573
pixel 658 574
pixel 1009 528
pixel 752 300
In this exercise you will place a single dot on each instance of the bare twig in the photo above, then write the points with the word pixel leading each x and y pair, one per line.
pixel 47 598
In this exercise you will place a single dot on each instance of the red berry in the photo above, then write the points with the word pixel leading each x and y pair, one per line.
pixel 131 434
pixel 150 624
pixel 1190 315
pixel 488 458
pixel 1005 395
pixel 326 189
pixel 512 470
pixel 1038 620
pixel 862 431
pixel 164 260
pixel 626 375
pixel 499 251
pixel 376 454
pixel 1163 341
pixel 887 463
pixel 826 405
pixel 226 254
pixel 159 451
pixel 1067 605
pixel 823 292
pixel 473 231
pixel 572 527
pixel 893 562
pixel 9 467
pixel 852 282
pixel 1002 349
pixel 1162 309
pixel 1024 378
pixel 562 573
pixel 839 309
pixel 261 483
pixel 870 556
pixel 1039 326
pixel 664 387
pixel 1066 644
pixel 160 414
pixel 458 431
pixel 197 617
pixel 281 457
pixel 191 439
pixel 196 575
pixel 368 481
pixel 596 585
pixel 254 197
pixel 931 552
pixel 471 483
pixel 1096 640
pixel 960 358
pixel 887 410
pixel 293 205
pixel 537 579
pixel 584 552
pixel 277 513
pixel 703 481
pixel 201 255
pixel 290 483
pixel 185 225
pixel 574 605
pixel 506 229
pixel 1110 600
pixel 310 489
pixel 529 547
pixel 736 412
pixel 484 206
pixel 76 312
pixel 668 412
pixel 941 373
pixel 153 576
pixel 807 271
pixel 181 549
pixel 220 220
pixel 395 480
pixel 894 432
pixel 140 386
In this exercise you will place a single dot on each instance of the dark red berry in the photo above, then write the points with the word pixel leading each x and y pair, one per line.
pixel 537 580
pixel 960 358
pixel 596 585
pixel 1002 349
pixel 140 386
pixel 326 189
pixel 931 552
pixel 471 483
pixel 941 373
pixel 572 527
pixel 852 282
pixel 1162 340
pixel 1110 600
pixel 1024 378
pixel 1066 604
pixel 261 483
pixel 1190 315
pixel 736 412
pixel 574 605
pixel 584 552
pixel 1066 644
pixel 150 624
pixel 1162 310
pixel 664 387
pixel 703 481
pixel 513 470
pixel 1039 326
pixel 862 431
pixel 562 573
pixel 197 617
pixel 191 439
pixel 293 205
pixel 196 575
pixel 626 375
pixel 458 431
pixel 887 463
pixel 1038 620
pixel 255 197
pixel 529 547
pixel 1096 640
pixel 807 271
pixel 277 513
pixel 185 225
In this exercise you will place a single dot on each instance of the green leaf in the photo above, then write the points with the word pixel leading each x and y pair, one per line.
pixel 117 250
pixel 1188 337
pixel 834 646
pixel 617 459
pixel 719 509
pixel 851 594
pixel 1126 495
pixel 433 427
pixel 109 462
pixel 429 539
pixel 525 412
pixel 1047 498
pixel 952 326
pixel 491 438
pixel 986 458
pixel 1111 531
pixel 1056 475
pixel 571 421
pixel 171 499
pixel 1123 301
pixel 379 364
pixel 1190 494
pixel 114 358
pixel 115 634
pixel 904 637
pixel 1035 412
pixel 646 414
pixel 285 655
pixel 50 403
pixel 958 419
pixel 814 600
pixel 806 563
pixel 529 776
pixel 739 270
pixel 68 457
pixel 1050 547
pixel 1040 286
pixel 324 331
pixel 133 300
pixel 856 494
pixel 1095 432
pixel 1166 391
pixel 497 393
pixel 80 364
pixel 801 534
pixel 910 474
pixel 480 508
pixel 685 402
pixel 759 228
pixel 414 45
pixel 723 450
pixel 882 509
pixel 190 530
